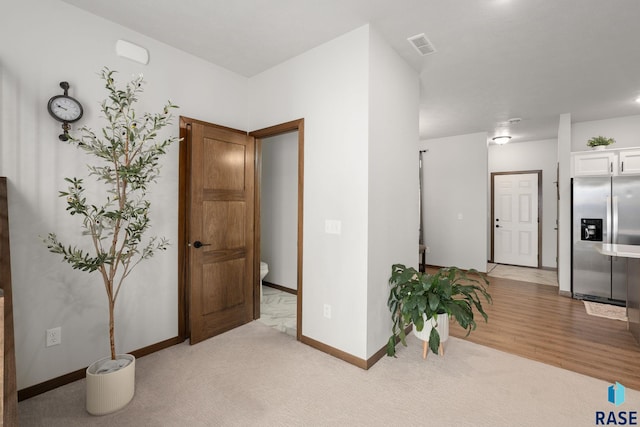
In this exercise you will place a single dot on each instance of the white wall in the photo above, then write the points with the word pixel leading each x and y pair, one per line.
pixel 328 86
pixel 455 200
pixel 279 209
pixel 625 130
pixel 37 53
pixel 393 180
pixel 524 156
pixel 354 163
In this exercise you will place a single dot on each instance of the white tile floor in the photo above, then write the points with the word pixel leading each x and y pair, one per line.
pixel 278 310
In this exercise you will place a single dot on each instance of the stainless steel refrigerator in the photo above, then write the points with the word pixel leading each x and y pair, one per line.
pixel 604 210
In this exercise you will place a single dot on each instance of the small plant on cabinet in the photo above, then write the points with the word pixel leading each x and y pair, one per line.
pixel 600 140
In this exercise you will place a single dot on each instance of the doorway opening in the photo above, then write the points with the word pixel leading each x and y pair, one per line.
pixel 278 226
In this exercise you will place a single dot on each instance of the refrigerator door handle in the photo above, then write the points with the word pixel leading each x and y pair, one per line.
pixel 609 239
pixel 614 235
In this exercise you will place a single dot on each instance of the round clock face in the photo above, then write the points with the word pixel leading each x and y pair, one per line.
pixel 65 109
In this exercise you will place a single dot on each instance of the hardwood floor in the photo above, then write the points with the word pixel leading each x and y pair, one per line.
pixel 533 321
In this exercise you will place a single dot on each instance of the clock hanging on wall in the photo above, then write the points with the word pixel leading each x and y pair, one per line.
pixel 65 109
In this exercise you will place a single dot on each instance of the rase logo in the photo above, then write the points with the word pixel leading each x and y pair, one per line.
pixel 616 394
pixel 619 418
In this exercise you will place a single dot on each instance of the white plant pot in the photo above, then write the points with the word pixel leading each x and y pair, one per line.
pixel 600 147
pixel 442 328
pixel 112 391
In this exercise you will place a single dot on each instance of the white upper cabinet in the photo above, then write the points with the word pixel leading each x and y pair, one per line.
pixel 625 161
pixel 596 163
pixel 629 162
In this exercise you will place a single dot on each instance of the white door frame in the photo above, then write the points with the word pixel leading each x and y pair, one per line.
pixel 493 215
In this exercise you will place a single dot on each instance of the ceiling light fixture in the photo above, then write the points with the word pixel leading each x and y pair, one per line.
pixel 500 140
pixel 638 100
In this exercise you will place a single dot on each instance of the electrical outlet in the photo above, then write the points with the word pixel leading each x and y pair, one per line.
pixel 54 336
pixel 327 311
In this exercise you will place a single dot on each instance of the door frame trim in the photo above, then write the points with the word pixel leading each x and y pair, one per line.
pixel 493 215
pixel 259 135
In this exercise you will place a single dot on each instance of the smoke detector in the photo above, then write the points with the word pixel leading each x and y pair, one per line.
pixel 422 44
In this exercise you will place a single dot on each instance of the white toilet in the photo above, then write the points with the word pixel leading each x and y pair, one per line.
pixel 264 269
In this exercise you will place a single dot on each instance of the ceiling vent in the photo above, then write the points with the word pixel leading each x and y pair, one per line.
pixel 422 44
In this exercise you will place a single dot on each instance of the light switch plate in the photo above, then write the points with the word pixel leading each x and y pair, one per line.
pixel 332 226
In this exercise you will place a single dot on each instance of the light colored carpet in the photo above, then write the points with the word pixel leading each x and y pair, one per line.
pixel 257 376
pixel 606 310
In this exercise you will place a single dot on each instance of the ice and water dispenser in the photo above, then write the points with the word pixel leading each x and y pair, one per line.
pixel 591 229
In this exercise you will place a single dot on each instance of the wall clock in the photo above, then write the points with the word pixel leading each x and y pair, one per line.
pixel 65 109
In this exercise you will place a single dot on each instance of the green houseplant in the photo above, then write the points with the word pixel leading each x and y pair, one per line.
pixel 600 141
pixel 416 296
pixel 125 161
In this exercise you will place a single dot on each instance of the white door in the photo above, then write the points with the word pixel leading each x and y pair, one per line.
pixel 515 221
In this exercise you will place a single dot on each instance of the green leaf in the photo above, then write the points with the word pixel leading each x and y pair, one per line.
pixel 391 346
pixel 419 323
pixel 434 302
pixel 434 340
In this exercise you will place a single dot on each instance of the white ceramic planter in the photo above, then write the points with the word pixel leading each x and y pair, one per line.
pixel 110 392
pixel 443 328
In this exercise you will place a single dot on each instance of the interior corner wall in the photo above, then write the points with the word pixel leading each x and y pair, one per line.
pixel 455 201
pixel 279 209
pixel 46 292
pixel 328 86
pixel 526 156
pixel 393 180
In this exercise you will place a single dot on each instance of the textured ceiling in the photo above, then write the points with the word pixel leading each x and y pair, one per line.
pixel 495 59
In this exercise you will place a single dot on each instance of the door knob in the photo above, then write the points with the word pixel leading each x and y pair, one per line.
pixel 497 226
pixel 198 244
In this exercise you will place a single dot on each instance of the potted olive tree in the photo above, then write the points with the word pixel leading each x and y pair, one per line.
pixel 126 160
pixel 427 301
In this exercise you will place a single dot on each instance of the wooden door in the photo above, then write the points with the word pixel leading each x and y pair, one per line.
pixel 516 219
pixel 220 254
